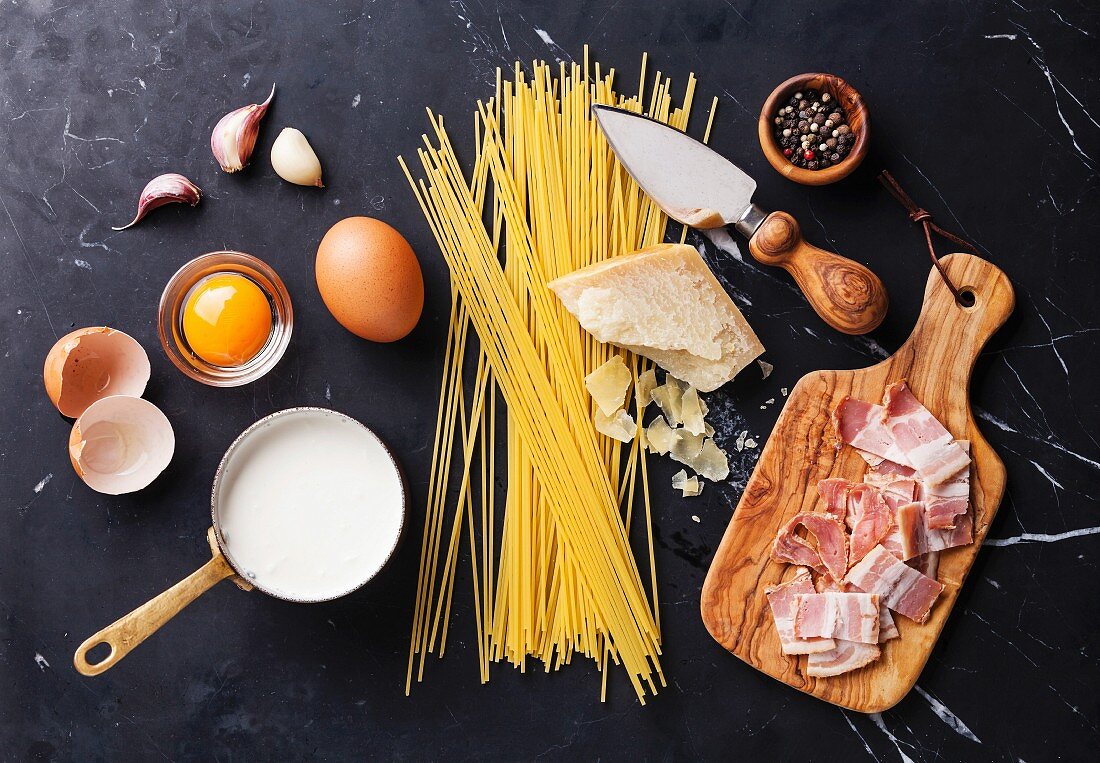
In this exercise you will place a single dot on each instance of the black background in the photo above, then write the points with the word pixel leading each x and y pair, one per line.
pixel 985 111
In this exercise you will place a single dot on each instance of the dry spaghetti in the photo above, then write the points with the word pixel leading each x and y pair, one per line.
pixel 555 575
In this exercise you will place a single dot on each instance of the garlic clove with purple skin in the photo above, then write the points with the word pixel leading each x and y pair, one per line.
pixel 294 160
pixel 164 189
pixel 234 135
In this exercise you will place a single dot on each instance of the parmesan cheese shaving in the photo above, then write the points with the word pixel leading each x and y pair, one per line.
pixel 619 426
pixel 661 436
pixel 609 384
pixel 647 382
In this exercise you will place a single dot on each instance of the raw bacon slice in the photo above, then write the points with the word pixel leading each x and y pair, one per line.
pixel 781 598
pixel 885 472
pixel 946 501
pixel 834 492
pixel 847 656
pixel 913 538
pixel 887 628
pixel 925 443
pixel 862 425
pixel 873 520
pixel 846 616
pixel 831 554
pixel 904 590
pixel 942 514
pixel 926 564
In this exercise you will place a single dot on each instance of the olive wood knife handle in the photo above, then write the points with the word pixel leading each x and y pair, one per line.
pixel 846 295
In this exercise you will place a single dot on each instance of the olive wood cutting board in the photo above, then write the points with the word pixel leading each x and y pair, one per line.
pixel 937 360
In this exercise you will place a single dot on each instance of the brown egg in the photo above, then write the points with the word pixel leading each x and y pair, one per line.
pixel 370 279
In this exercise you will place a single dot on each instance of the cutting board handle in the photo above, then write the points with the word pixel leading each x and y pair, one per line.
pixel 130 630
pixel 950 333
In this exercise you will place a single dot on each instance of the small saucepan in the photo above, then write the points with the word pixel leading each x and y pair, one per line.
pixel 307 506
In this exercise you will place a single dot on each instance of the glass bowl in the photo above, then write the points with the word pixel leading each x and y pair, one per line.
pixel 170 316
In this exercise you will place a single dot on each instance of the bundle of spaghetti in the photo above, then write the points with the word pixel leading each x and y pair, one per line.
pixel 545 197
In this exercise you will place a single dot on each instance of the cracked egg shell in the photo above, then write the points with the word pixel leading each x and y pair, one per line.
pixel 120 444
pixel 92 363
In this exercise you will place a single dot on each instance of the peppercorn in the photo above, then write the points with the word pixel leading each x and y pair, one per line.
pixel 812 130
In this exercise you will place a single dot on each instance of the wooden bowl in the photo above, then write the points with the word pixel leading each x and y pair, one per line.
pixel 858 119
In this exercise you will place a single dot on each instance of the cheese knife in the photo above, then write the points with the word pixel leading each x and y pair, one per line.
pixel 699 187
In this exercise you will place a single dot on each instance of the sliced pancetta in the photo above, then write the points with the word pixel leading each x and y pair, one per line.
pixel 887 628
pixel 845 657
pixel 911 536
pixel 781 598
pixel 948 500
pixel 831 554
pixel 871 520
pixel 926 564
pixel 925 443
pixel 862 425
pixel 834 492
pixel 904 590
pixel 846 616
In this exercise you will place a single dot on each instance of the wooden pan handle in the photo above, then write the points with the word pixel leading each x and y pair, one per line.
pixel 846 295
pixel 130 630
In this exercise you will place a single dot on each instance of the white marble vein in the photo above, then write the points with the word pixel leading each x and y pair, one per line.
pixel 1041 537
pixel 876 718
pixel 944 714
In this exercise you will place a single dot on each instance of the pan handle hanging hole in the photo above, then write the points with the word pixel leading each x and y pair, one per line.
pixel 99 653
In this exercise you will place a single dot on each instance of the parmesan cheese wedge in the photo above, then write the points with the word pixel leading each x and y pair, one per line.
pixel 664 303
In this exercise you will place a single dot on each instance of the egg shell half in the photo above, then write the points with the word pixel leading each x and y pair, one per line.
pixel 370 279
pixel 92 363
pixel 120 444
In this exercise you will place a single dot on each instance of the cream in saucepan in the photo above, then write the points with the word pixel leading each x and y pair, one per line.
pixel 309 505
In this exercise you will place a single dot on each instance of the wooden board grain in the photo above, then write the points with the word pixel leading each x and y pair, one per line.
pixel 937 360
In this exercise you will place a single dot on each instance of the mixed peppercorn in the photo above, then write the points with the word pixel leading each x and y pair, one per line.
pixel 812 130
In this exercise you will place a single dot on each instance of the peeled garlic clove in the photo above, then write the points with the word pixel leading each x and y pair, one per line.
pixel 161 190
pixel 234 135
pixel 294 159
pixel 93 363
pixel 120 444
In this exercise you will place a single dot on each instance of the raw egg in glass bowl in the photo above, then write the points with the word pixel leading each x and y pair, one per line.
pixel 225 318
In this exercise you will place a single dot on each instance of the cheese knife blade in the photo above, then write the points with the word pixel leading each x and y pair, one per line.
pixel 695 185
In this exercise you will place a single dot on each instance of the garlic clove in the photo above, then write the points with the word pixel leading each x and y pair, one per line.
pixel 294 160
pixel 161 190
pixel 234 135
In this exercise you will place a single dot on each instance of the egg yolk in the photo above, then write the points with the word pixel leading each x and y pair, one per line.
pixel 227 320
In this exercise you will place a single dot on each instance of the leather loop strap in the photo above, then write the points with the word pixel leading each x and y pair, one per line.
pixel 920 215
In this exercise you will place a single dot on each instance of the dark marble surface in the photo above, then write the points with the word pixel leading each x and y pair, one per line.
pixel 985 111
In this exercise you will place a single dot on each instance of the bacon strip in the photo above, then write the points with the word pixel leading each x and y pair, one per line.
pixel 872 520
pixel 926 564
pixel 923 440
pixel 781 598
pixel 904 590
pixel 862 425
pixel 911 536
pixel 887 628
pixel 831 554
pixel 948 500
pixel 846 616
pixel 847 656
pixel 834 492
